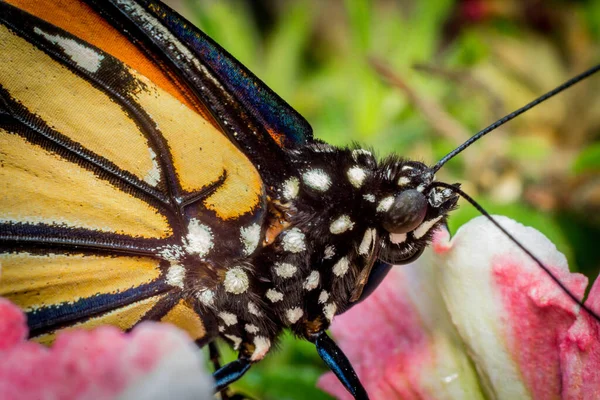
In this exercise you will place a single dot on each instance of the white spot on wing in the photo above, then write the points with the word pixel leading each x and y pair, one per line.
pixel 293 241
pixel 176 275
pixel 425 227
pixel 81 55
pixel 294 314
pixel 312 281
pixel 341 225
pixel 250 236
pixel 285 270
pixel 199 238
pixel 153 176
pixel 291 187
pixel 356 176
pixel 341 267
pixel 317 179
pixel 274 295
pixel 365 246
pixel 261 347
pixel 385 204
pixel 236 281
pixel 171 252
pixel 228 318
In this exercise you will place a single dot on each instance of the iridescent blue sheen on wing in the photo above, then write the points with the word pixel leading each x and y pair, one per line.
pixel 270 110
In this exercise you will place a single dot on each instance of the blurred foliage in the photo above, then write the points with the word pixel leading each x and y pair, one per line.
pixel 459 65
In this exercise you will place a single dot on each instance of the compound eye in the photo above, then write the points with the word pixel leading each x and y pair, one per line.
pixel 406 213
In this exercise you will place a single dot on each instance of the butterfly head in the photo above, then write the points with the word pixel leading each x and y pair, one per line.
pixel 359 216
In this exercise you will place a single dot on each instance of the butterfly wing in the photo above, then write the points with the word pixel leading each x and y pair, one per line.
pixel 120 191
pixel 249 112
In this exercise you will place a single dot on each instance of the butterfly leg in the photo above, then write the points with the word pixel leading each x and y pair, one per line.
pixel 339 364
pixel 231 372
pixel 215 359
pixel 214 355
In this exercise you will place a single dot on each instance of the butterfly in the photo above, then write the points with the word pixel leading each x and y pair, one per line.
pixel 148 175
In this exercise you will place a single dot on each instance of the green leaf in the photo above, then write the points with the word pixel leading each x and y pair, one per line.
pixel 588 160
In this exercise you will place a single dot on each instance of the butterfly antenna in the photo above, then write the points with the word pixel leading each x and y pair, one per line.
pixel 512 115
pixel 515 241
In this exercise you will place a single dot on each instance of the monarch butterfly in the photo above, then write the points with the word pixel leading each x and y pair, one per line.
pixel 207 202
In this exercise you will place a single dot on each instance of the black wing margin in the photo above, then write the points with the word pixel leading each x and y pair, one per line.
pixel 249 112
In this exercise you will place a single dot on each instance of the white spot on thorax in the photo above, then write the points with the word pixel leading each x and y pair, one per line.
pixel 294 314
pixel 206 297
pixel 358 152
pixel 199 238
pixel 261 347
pixel 291 187
pixel 329 310
pixel 329 252
pixel 341 267
pixel 153 176
pixel 341 225
pixel 403 181
pixel 385 204
pixel 274 295
pixel 317 179
pixel 323 297
pixel 83 56
pixel 237 341
pixel 356 176
pixel 250 328
pixel 253 309
pixel 176 275
pixel 228 318
pixel 312 281
pixel 221 328
pixel 426 227
pixel 250 236
pixel 368 239
pixel 369 197
pixel 236 281
pixel 285 270
pixel 397 238
pixel 407 168
pixel 293 241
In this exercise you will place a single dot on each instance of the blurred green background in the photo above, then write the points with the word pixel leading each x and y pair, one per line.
pixel 455 67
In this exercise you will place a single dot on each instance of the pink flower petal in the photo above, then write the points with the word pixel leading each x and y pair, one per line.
pixel 475 300
pixel 402 343
pixel 13 325
pixel 580 354
pixel 510 314
pixel 154 361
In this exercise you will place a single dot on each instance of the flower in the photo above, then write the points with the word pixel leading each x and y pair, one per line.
pixel 475 318
pixel 153 361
